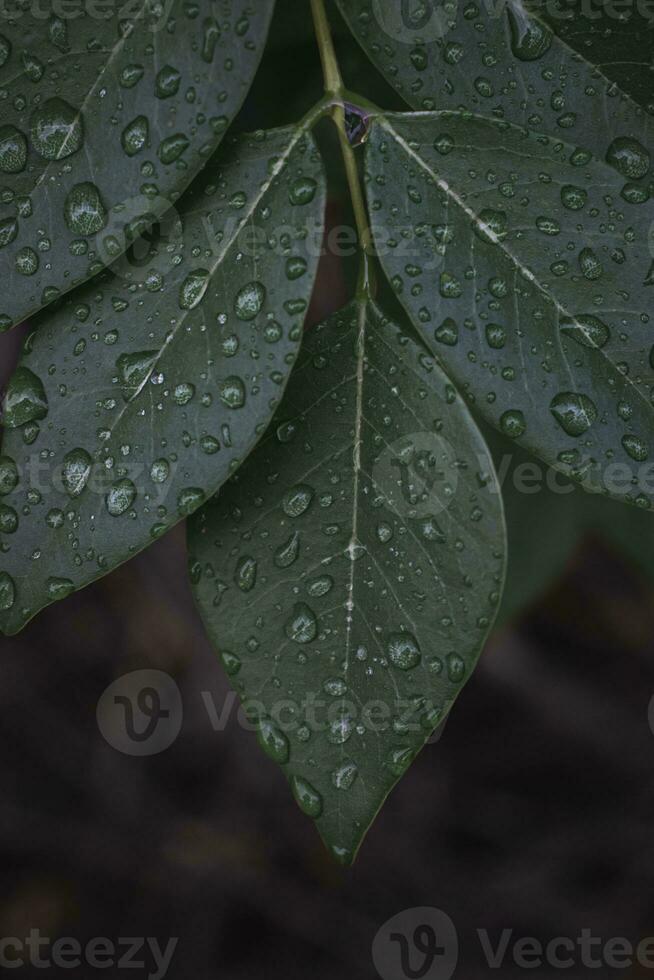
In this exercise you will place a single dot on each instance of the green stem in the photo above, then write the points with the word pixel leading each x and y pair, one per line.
pixel 334 88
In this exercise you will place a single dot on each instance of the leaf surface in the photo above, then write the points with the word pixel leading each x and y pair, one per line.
pixel 105 118
pixel 526 265
pixel 350 572
pixel 502 61
pixel 141 394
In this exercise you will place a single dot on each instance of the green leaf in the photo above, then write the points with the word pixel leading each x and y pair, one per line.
pixel 525 263
pixel 140 395
pixel 503 62
pixel 350 573
pixel 106 118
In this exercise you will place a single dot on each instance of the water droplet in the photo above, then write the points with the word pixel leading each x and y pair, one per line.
pixel 57 130
pixel 13 150
pixel 8 231
pixel 193 288
pixel 495 336
pixel 403 651
pixel 636 448
pixel 249 301
pixel 287 553
pixel 273 741
pixel 120 497
pixel 513 424
pixel 530 39
pixel 302 627
pixel 84 210
pixel 172 148
pixel 76 471
pixel 232 392
pixel 59 588
pixel 167 82
pixel 7 592
pixel 8 520
pixel 586 329
pixel 135 136
pixel 230 662
pixel 27 261
pixel 297 500
pixel 133 369
pixel 629 157
pixel 399 760
pixel 573 198
pixel 447 333
pixel 344 777
pixel 8 475
pixel 574 412
pixel 456 668
pixel 302 191
pixel 245 575
pixel 25 400
pixel 307 797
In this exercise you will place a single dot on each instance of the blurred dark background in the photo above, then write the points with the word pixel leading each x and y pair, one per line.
pixel 533 812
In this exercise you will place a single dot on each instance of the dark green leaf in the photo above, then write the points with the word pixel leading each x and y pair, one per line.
pixel 105 118
pixel 141 394
pixel 503 62
pixel 350 572
pixel 526 265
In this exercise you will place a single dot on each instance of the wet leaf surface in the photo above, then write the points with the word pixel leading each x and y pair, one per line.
pixel 350 572
pixel 506 62
pixel 103 119
pixel 143 392
pixel 526 265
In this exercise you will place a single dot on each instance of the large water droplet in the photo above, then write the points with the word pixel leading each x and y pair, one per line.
pixel 193 288
pixel 249 301
pixel 84 210
pixel 120 497
pixel 76 471
pixel 586 329
pixel 135 136
pixel 232 392
pixel 25 400
pixel 302 627
pixel 574 412
pixel 57 130
pixel 403 651
pixel 13 150
pixel 297 500
pixel 530 39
